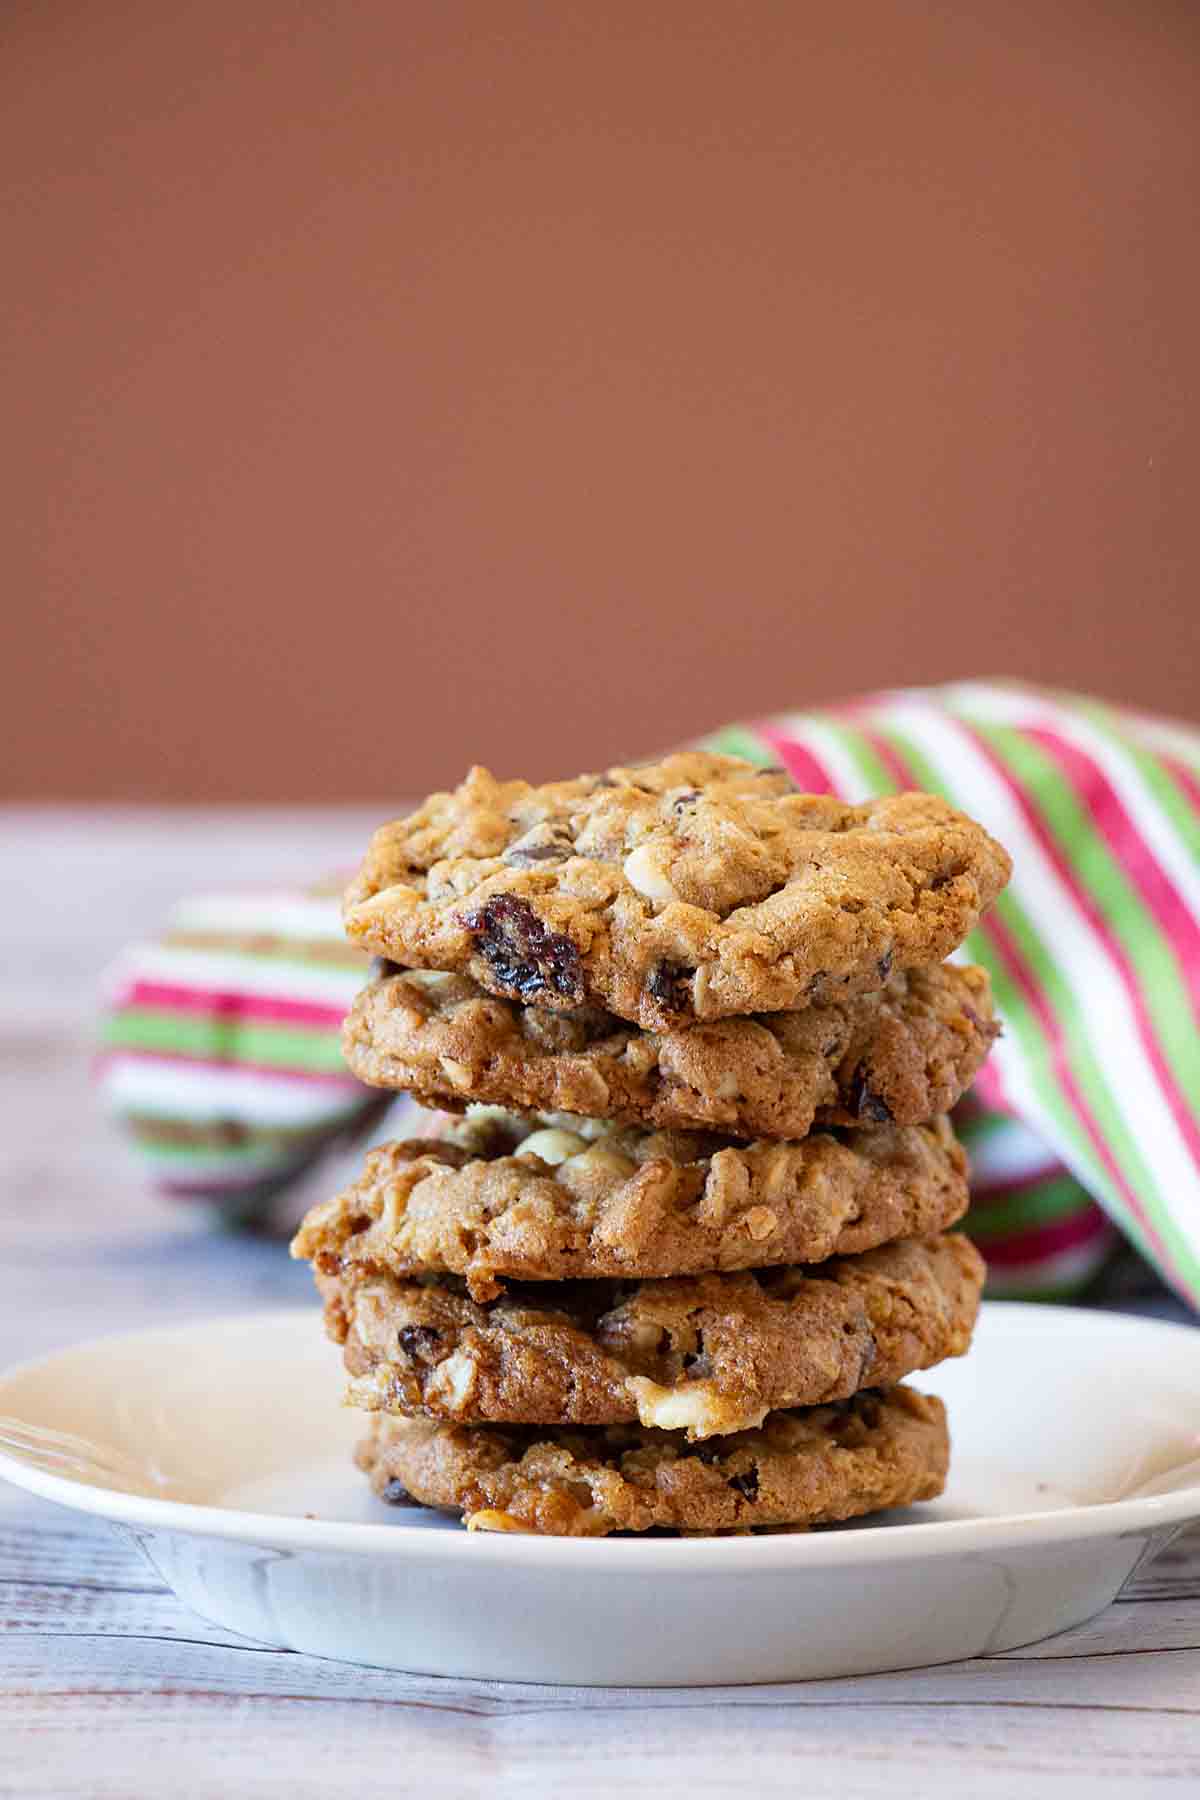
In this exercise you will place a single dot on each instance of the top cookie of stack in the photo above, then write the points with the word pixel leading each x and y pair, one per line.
pixel 699 887
pixel 714 1034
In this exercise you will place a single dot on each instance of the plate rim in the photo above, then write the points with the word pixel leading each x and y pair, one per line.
pixel 920 1540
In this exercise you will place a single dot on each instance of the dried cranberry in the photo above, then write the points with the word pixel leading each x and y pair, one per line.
pixel 416 1340
pixel 525 956
pixel 667 983
pixel 865 1103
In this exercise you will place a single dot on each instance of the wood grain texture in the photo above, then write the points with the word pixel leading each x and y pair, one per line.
pixel 109 1688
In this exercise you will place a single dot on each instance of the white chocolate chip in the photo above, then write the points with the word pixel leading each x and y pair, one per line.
pixel 599 1161
pixel 490 1519
pixel 453 1381
pixel 493 1115
pixel 695 1408
pixel 553 1146
pixel 584 1128
pixel 456 1073
pixel 594 1130
pixel 643 871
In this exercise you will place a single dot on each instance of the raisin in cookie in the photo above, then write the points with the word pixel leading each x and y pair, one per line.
pixel 901 1054
pixel 503 1197
pixel 810 1467
pixel 696 887
pixel 709 1354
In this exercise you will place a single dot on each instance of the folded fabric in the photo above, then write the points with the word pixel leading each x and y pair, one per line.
pixel 1043 1235
pixel 221 1052
pixel 1094 949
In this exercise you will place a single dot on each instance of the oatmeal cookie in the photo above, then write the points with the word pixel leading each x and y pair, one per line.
pixel 899 1055
pixel 692 888
pixel 503 1197
pixel 708 1354
pixel 811 1467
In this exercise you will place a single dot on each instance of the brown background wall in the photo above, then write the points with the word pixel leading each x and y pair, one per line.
pixel 394 384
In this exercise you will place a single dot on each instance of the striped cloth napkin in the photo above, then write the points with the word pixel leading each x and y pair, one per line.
pixel 221 1040
pixel 1094 952
pixel 221 1045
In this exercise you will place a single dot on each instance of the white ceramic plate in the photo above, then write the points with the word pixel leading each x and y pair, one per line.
pixel 222 1448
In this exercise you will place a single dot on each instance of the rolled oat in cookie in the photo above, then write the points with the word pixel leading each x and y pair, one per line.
pixel 899 1055
pixel 812 1467
pixel 697 887
pixel 503 1197
pixel 707 1354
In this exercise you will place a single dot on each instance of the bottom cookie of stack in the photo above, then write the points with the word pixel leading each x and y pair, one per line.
pixel 811 1466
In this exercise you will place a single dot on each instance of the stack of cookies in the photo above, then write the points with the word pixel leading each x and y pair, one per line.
pixel 690 1231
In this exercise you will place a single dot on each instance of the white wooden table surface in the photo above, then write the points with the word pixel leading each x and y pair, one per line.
pixel 109 1688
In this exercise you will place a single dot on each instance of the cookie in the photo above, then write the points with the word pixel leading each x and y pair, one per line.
pixel 901 1054
pixel 709 1354
pixel 812 1467
pixel 503 1197
pixel 692 888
